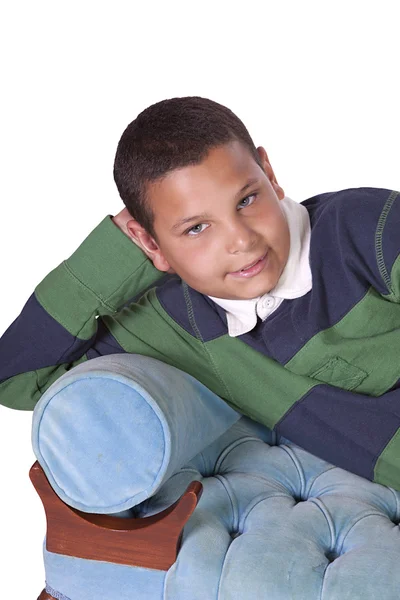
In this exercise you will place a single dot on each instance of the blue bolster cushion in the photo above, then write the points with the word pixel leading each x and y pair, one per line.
pixel 109 432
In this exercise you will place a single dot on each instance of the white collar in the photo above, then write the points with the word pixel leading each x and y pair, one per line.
pixel 295 280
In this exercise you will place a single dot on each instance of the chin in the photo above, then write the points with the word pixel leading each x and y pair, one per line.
pixel 259 290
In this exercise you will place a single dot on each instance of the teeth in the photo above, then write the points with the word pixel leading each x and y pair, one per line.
pixel 249 267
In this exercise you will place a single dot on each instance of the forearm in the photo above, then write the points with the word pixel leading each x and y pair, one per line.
pixel 58 324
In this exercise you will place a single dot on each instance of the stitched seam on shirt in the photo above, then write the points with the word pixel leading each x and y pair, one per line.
pixel 343 372
pixel 84 285
pixel 193 323
pixel 175 318
pixel 378 239
pixel 104 301
pixel 56 316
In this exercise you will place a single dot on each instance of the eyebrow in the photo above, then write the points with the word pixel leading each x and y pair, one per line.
pixel 205 215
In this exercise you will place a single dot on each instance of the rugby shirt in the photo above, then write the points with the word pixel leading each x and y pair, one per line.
pixel 323 370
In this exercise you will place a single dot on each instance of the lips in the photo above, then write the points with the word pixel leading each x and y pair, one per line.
pixel 251 264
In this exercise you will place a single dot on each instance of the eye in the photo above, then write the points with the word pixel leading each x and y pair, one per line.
pixel 248 202
pixel 193 231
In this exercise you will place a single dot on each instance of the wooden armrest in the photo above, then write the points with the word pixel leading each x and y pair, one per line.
pixel 151 542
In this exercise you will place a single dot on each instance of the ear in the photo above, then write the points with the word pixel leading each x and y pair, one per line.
pixel 149 246
pixel 270 173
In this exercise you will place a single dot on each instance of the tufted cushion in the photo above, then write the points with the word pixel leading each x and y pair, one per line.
pixel 273 523
pixel 277 523
pixel 109 432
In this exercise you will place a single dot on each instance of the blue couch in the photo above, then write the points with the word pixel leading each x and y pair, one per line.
pixel 124 435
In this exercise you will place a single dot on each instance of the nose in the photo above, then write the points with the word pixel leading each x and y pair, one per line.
pixel 240 237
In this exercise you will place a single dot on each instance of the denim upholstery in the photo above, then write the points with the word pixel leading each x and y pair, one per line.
pixel 274 522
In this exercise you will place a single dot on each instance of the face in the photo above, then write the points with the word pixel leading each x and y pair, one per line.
pixel 216 219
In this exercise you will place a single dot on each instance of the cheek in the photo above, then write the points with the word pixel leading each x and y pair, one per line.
pixel 188 258
pixel 278 230
pixel 200 258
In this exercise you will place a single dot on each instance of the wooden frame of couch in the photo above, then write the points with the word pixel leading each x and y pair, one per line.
pixel 151 542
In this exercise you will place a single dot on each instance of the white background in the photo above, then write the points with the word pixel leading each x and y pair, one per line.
pixel 316 84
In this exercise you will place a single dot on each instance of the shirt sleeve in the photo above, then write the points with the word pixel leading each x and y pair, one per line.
pixel 58 324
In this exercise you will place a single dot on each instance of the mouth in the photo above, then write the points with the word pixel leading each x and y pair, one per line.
pixel 252 268
pixel 250 264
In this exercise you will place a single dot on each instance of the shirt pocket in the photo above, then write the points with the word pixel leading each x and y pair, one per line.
pixel 337 371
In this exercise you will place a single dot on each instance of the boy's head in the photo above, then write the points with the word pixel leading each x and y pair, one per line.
pixel 205 200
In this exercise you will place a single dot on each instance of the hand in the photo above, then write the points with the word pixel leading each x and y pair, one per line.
pixel 121 220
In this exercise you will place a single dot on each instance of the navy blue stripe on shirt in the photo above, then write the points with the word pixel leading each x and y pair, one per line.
pixel 347 429
pixel 209 319
pixel 36 340
pixel 105 343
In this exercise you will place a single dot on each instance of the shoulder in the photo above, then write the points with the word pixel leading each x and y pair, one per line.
pixel 197 314
pixel 353 212
pixel 348 206
pixel 346 230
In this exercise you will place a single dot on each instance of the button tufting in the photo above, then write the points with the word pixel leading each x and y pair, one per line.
pixel 235 534
pixel 331 555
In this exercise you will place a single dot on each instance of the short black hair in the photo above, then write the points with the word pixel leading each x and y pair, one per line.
pixel 170 134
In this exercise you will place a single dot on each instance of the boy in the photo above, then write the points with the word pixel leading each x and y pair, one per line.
pixel 290 312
